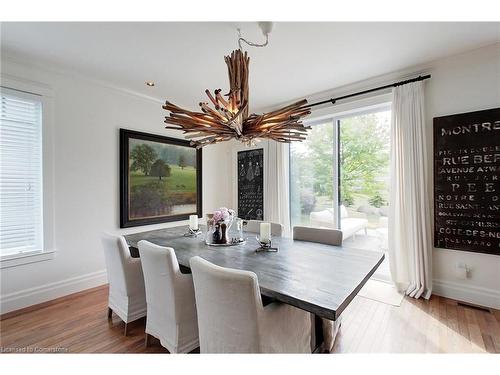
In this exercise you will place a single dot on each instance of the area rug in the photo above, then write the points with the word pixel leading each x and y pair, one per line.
pixel 381 292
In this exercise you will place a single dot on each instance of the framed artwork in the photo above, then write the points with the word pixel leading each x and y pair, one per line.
pixel 160 179
pixel 467 181
pixel 251 184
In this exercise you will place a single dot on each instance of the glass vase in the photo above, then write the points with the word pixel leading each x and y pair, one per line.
pixel 218 233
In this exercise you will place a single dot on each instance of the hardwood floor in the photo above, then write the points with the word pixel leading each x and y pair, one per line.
pixel 79 324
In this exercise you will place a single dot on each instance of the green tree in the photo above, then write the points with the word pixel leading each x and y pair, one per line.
pixel 182 161
pixel 311 172
pixel 364 158
pixel 320 155
pixel 364 155
pixel 377 201
pixel 160 169
pixel 142 157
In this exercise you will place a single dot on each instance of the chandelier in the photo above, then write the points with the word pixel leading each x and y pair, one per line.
pixel 228 116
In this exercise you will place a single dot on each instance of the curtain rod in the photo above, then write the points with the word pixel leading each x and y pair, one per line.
pixel 333 100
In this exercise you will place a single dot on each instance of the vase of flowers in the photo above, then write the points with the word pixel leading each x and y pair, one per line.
pixel 218 225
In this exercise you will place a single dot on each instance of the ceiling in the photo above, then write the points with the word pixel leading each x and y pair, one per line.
pixel 184 59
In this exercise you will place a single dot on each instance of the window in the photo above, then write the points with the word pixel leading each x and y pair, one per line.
pixel 312 187
pixel 21 208
pixel 339 177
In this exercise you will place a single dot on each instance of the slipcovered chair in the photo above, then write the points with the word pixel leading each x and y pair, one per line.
pixel 232 319
pixel 254 226
pixel 127 297
pixel 329 237
pixel 325 236
pixel 170 299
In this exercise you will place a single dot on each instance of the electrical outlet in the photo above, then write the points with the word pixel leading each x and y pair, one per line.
pixel 462 271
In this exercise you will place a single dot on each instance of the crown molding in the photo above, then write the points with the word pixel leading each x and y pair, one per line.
pixel 16 59
pixel 25 85
pixel 363 84
pixel 380 80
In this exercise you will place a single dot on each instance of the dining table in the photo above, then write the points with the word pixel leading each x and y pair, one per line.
pixel 318 278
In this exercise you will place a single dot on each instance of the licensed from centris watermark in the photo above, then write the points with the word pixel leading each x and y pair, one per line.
pixel 33 349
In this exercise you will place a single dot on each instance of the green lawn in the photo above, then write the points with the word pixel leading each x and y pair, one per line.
pixel 180 180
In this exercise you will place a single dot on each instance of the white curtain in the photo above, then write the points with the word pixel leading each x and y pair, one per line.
pixel 276 189
pixel 409 220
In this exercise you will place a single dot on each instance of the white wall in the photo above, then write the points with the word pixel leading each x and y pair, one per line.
pixel 464 83
pixel 86 117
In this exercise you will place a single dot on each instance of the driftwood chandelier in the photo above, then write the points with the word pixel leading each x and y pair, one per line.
pixel 229 118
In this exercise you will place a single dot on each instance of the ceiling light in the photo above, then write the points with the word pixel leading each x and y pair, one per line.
pixel 229 117
pixel 150 83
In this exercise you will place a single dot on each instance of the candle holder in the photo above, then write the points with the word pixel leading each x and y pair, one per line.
pixel 192 233
pixel 266 247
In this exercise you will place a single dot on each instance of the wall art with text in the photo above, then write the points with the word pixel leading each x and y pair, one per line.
pixel 467 181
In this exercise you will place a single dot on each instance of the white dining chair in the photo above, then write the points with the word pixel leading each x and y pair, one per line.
pixel 254 226
pixel 170 299
pixel 329 237
pixel 127 297
pixel 232 319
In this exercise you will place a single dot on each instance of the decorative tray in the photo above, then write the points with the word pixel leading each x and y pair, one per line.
pixel 237 242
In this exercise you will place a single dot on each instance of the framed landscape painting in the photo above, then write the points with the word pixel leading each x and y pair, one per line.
pixel 160 179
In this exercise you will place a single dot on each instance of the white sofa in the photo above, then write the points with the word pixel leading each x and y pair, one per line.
pixel 348 225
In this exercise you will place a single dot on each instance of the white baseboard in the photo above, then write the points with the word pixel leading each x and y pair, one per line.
pixel 467 293
pixel 32 296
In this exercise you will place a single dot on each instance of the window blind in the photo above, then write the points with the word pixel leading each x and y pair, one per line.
pixel 21 226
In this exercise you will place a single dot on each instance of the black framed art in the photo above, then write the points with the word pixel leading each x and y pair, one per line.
pixel 160 179
pixel 251 184
pixel 467 181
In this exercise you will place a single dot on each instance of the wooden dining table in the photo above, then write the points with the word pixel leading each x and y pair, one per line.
pixel 318 278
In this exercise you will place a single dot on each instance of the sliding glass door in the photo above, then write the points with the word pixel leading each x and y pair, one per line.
pixel 339 178
pixel 312 177
pixel 364 155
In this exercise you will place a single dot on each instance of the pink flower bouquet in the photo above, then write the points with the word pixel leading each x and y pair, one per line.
pixel 223 214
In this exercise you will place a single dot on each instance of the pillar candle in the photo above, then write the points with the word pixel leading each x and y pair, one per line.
pixel 265 232
pixel 193 222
